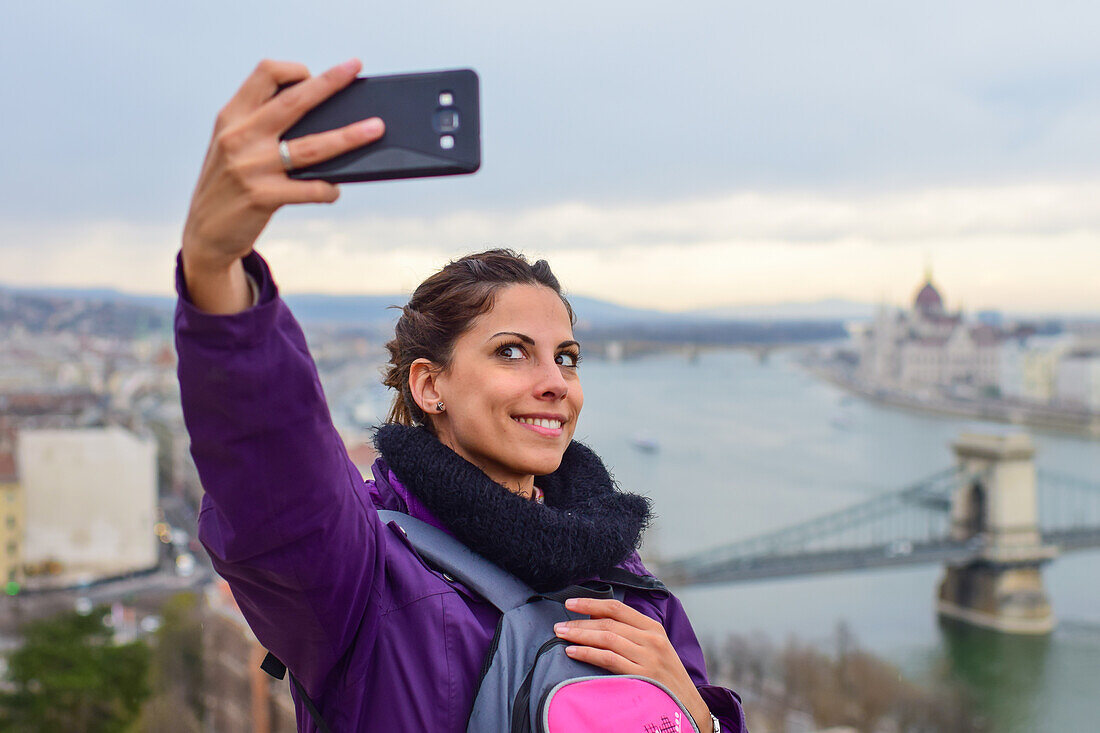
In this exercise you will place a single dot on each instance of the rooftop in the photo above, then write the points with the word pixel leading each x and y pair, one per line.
pixel 928 299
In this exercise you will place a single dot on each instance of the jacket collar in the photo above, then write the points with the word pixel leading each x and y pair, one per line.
pixel 587 524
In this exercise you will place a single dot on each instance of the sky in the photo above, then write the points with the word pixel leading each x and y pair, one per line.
pixel 660 155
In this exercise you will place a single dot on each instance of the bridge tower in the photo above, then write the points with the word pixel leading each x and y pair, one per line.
pixel 995 509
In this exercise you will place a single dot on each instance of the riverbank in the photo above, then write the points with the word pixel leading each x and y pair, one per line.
pixel 798 686
pixel 1079 423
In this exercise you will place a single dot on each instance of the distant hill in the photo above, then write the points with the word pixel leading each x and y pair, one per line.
pixel 92 315
pixel 353 309
pixel 346 309
pixel 106 310
pixel 591 311
pixel 831 309
pixel 104 295
pixel 364 310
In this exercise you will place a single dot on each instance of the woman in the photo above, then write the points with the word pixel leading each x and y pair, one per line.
pixel 485 363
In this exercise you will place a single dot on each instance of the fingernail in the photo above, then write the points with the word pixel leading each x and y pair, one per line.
pixel 372 126
pixel 570 650
pixel 350 65
pixel 571 602
pixel 561 628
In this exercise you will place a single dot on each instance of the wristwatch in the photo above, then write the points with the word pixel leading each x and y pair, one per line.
pixel 717 727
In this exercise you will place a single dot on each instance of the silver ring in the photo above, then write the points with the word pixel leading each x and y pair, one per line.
pixel 284 155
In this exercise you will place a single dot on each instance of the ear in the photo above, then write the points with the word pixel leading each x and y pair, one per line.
pixel 422 384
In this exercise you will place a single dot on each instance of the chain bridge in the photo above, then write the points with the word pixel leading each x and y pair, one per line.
pixel 992 519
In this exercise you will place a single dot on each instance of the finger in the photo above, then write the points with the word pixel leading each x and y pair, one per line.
pixel 602 639
pixel 603 658
pixel 288 106
pixel 633 633
pixel 275 193
pixel 310 149
pixel 611 608
pixel 261 85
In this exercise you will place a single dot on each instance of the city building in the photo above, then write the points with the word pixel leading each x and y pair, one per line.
pixel 89 499
pixel 1029 370
pixel 1077 380
pixel 237 694
pixel 11 515
pixel 929 346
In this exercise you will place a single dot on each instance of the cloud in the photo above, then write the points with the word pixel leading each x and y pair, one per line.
pixel 737 218
pixel 638 100
pixel 114 253
pixel 1032 244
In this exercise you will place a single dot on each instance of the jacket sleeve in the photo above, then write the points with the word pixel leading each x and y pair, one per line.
pixel 285 518
pixel 724 703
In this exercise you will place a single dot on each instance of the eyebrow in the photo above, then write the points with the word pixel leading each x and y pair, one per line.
pixel 530 341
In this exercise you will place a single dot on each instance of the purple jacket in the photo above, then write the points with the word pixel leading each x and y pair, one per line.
pixel 378 640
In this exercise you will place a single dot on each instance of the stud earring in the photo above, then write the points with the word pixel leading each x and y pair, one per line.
pixel 439 406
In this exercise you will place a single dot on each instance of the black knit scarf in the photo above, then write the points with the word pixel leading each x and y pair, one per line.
pixel 586 525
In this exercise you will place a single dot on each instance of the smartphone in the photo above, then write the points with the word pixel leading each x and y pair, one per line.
pixel 432 127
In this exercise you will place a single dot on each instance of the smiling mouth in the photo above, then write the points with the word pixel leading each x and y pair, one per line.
pixel 548 427
pixel 540 422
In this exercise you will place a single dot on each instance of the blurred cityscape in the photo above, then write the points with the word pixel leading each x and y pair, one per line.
pixel 100 496
pixel 100 500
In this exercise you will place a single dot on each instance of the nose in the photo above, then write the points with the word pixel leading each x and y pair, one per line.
pixel 551 383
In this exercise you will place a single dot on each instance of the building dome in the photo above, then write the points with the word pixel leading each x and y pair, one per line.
pixel 928 299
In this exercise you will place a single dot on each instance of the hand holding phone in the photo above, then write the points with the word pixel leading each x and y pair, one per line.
pixel 431 128
pixel 243 181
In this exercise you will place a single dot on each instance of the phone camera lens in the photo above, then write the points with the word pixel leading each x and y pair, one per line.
pixel 445 120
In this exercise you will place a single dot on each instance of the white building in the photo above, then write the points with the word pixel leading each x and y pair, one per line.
pixel 1029 370
pixel 927 346
pixel 90 500
pixel 1077 380
pixel 1011 369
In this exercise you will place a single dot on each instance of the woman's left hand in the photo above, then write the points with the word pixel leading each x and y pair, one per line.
pixel 623 640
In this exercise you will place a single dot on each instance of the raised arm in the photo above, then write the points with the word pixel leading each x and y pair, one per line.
pixel 284 518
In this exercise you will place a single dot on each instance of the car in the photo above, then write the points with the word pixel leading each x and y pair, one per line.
pixel 899 548
pixel 185 565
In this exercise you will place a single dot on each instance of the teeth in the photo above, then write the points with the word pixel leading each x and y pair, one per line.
pixel 542 423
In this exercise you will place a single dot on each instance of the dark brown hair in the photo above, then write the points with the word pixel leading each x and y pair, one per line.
pixel 443 307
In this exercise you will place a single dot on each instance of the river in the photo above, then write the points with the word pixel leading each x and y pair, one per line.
pixel 748 446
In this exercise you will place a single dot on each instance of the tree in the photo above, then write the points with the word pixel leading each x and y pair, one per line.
pixel 853 689
pixel 177 655
pixel 166 713
pixel 68 675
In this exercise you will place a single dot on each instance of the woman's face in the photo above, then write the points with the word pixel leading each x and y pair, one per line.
pixel 512 392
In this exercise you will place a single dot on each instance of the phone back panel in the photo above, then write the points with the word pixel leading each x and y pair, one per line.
pixel 416 123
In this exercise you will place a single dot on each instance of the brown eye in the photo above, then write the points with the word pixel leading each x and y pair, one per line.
pixel 511 352
pixel 567 359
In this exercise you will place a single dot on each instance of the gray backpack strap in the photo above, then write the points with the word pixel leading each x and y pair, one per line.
pixel 445 553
